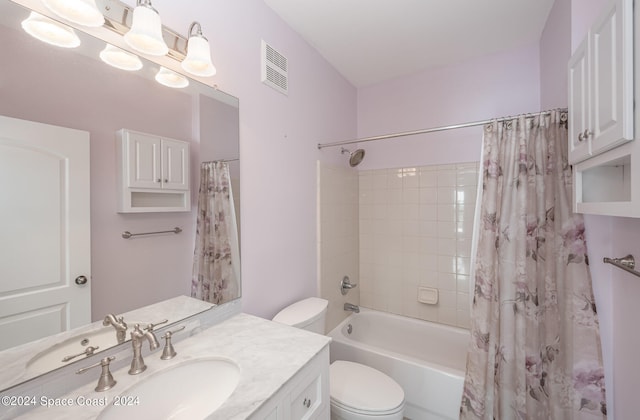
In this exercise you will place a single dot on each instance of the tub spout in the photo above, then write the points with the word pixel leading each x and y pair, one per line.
pixel 351 307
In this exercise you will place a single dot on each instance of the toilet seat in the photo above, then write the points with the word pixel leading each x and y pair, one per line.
pixel 360 389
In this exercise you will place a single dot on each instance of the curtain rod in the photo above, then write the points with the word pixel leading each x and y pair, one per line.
pixel 223 160
pixel 427 130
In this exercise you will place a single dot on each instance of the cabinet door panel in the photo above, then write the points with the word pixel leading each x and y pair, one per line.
pixel 612 77
pixel 579 146
pixel 175 165
pixel 144 161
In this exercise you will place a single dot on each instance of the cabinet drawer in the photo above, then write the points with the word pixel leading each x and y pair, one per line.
pixel 306 400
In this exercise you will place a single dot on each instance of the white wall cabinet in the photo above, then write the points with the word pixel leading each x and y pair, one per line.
pixel 601 85
pixel 604 77
pixel 304 397
pixel 153 173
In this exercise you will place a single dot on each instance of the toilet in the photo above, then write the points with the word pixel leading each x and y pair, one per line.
pixel 357 391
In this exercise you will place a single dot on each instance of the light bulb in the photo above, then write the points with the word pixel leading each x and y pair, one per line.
pixel 145 34
pixel 171 79
pixel 82 12
pixel 50 31
pixel 198 59
pixel 120 58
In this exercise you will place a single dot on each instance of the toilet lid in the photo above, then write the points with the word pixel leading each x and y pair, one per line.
pixel 302 313
pixel 363 389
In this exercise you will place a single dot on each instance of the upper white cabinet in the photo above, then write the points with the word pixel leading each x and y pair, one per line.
pixel 153 173
pixel 604 79
pixel 601 85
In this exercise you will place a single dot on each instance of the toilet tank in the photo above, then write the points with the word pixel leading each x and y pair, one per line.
pixel 308 314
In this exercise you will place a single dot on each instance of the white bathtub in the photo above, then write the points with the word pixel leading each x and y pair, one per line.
pixel 426 359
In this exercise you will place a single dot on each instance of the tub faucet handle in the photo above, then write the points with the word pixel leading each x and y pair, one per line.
pixel 346 285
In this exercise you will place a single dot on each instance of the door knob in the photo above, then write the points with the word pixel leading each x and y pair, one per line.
pixel 80 280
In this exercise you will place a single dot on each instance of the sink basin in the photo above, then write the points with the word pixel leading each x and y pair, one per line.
pixel 51 358
pixel 190 390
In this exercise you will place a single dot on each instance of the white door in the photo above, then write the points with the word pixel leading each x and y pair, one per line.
pixel 45 230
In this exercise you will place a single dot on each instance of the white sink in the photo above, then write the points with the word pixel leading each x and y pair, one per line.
pixel 51 358
pixel 190 390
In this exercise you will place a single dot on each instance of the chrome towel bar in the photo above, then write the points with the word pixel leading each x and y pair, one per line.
pixel 627 263
pixel 126 234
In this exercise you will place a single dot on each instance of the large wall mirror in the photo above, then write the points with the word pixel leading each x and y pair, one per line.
pixel 72 88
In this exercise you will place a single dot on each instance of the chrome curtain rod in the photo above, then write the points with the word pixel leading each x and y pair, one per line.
pixel 427 130
pixel 225 160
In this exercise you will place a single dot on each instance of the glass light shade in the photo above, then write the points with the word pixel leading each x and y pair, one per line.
pixel 82 12
pixel 49 31
pixel 198 59
pixel 171 78
pixel 145 34
pixel 120 59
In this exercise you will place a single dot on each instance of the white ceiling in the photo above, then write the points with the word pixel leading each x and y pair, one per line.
pixel 370 41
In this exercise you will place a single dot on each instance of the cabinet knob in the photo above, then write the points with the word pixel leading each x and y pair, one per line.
pixel 306 402
pixel 166 181
pixel 584 135
pixel 159 180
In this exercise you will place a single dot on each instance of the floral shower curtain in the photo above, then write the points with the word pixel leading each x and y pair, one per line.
pixel 535 343
pixel 215 275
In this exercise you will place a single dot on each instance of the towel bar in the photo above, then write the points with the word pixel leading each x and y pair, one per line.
pixel 627 263
pixel 126 234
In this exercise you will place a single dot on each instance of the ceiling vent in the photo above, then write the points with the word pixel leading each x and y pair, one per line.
pixel 274 69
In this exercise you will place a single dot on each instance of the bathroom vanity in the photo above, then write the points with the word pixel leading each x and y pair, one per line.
pixel 267 371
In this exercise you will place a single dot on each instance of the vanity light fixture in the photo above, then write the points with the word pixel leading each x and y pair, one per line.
pixel 198 59
pixel 145 34
pixel 171 79
pixel 82 12
pixel 49 31
pixel 120 59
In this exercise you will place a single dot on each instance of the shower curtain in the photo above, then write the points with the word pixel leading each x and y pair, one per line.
pixel 215 275
pixel 535 345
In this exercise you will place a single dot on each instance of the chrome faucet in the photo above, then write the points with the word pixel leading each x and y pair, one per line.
pixel 351 307
pixel 137 337
pixel 118 324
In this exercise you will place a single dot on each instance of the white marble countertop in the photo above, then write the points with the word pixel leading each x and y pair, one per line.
pixel 14 361
pixel 268 355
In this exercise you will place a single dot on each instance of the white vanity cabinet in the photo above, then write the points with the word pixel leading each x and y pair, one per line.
pixel 304 397
pixel 602 87
pixel 153 173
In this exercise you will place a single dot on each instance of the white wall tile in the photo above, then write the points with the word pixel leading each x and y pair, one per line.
pixel 415 230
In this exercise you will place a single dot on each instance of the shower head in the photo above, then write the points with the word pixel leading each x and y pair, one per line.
pixel 355 157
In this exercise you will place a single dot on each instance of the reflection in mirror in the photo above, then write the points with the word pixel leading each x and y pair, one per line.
pixel 71 93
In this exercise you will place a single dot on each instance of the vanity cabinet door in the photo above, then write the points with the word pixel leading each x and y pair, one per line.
pixel 308 401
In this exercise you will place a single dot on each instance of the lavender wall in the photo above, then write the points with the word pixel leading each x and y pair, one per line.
pixel 492 86
pixel 278 136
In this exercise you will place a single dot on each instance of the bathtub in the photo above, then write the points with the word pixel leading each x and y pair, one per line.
pixel 426 359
